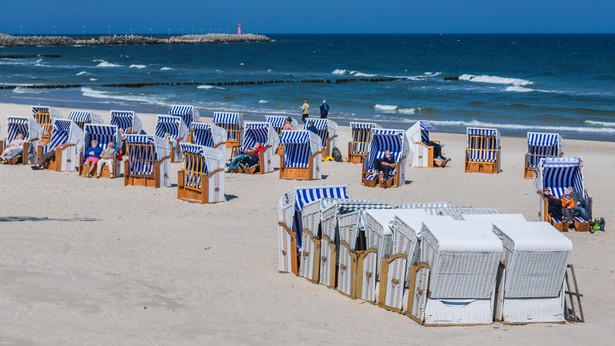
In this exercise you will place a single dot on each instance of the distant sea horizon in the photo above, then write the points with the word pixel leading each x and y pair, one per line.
pixel 544 82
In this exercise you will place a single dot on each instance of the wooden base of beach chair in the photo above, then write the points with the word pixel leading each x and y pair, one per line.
pixel 280 150
pixel 152 180
pixel 558 224
pixel 193 195
pixel 581 225
pixel 54 164
pixel 482 167
pixel 377 182
pixel 528 172
pixel 440 163
pixel 232 144
pixel 292 173
pixel 356 158
pixel 105 172
pixel 257 168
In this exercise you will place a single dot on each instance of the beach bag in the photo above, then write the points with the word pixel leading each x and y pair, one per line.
pixel 337 155
pixel 598 224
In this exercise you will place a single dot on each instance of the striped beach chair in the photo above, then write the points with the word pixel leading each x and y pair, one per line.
pixel 66 159
pixel 459 213
pixel 201 179
pixel 147 163
pixel 188 113
pixel 540 145
pixel 432 208
pixel 423 154
pixel 208 135
pixel 81 117
pixel 290 221
pixel 233 124
pixel 382 140
pixel 534 265
pixel 455 281
pixel 327 131
pixel 31 132
pixel 558 174
pixel 278 121
pixel 177 130
pixel 302 155
pixel 103 134
pixel 263 133
pixel 358 145
pixel 44 116
pixel 126 119
pixel 483 151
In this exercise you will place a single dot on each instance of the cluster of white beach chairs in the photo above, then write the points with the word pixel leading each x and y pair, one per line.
pixel 437 264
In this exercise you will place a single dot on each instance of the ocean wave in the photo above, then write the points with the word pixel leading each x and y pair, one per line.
pixel 137 66
pixel 263 101
pixel 519 89
pixel 542 128
pixel 93 79
pixel 166 69
pixel 21 90
pixel 207 87
pixel 600 123
pixel 82 73
pixel 400 109
pixel 432 74
pixel 103 63
pixel 386 108
pixel 494 80
pixel 100 94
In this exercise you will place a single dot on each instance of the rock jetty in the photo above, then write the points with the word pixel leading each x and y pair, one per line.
pixel 12 41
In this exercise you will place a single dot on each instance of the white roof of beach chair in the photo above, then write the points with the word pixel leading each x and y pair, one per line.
pixel 475 236
pixel 537 236
pixel 259 131
pixel 419 130
pixel 55 113
pixel 83 116
pixel 494 217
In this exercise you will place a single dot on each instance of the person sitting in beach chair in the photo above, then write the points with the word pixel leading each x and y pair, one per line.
pixel 248 158
pixel 385 165
pixel 567 208
pixel 106 158
pixel 14 149
pixel 48 157
pixel 92 156
pixel 581 204
pixel 554 204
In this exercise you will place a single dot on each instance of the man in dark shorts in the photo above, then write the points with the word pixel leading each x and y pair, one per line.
pixel 385 164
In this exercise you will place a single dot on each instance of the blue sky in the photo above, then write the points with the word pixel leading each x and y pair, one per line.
pixel 315 16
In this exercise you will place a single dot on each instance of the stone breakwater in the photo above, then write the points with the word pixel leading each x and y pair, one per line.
pixel 11 41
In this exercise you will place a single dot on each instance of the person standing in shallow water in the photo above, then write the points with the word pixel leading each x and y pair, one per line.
pixel 324 109
pixel 305 111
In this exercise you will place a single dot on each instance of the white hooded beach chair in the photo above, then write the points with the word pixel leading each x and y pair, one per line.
pixel 558 174
pixel 310 242
pixel 423 153
pixel 44 116
pixel 432 208
pixel 483 151
pixel 359 143
pixel 66 159
pixel 31 132
pixel 263 133
pixel 327 131
pixel 302 155
pixel 103 134
pixel 460 213
pixel 535 258
pixel 187 113
pixel 81 117
pixel 456 280
pixel 201 179
pixel 290 221
pixel 126 119
pixel 382 140
pixel 208 135
pixel 233 124
pixel 147 163
pixel 540 145
pixel 177 130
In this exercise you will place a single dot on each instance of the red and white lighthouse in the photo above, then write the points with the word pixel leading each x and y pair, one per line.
pixel 238 28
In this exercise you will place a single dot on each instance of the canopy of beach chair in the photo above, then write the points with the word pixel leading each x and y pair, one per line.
pixel 208 135
pixel 81 117
pixel 299 145
pixel 277 121
pixel 103 134
pixel 30 129
pixel 187 113
pixel 55 113
pixel 125 119
pixel 64 131
pixel 327 129
pixel 261 132
pixel 172 125
pixel 558 173
pixel 540 145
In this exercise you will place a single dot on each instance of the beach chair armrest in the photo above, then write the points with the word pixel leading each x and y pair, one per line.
pixel 215 171
pixel 164 158
pixel 220 144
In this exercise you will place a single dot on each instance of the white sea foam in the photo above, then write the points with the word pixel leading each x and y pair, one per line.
pixel 432 74
pixel 82 73
pixel 20 90
pixel 600 123
pixel 93 79
pixel 209 87
pixel 386 108
pixel 99 94
pixel 408 110
pixel 165 69
pixel 519 89
pixel 494 79
pixel 241 64
pixel 476 123
pixel 103 63
pixel 137 66
pixel 263 101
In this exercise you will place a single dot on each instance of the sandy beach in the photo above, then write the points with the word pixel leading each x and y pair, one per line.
pixel 119 265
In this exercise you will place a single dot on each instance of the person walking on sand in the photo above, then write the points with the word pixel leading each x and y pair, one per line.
pixel 324 109
pixel 305 111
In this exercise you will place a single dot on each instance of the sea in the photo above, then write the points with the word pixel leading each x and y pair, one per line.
pixel 516 83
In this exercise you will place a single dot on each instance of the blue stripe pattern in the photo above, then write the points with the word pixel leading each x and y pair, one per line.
pixel 277 121
pixel 80 116
pixel 308 195
pixel 103 134
pixel 141 161
pixel 17 125
pixel 297 148
pixel 560 173
pixel 122 119
pixel 186 112
pixel 425 127
pixel 381 140
pixel 487 146
pixel 231 122
pixel 191 178
pixel 201 135
pixel 253 133
pixel 60 134
pixel 540 145
pixel 323 129
pixel 168 124
pixel 40 109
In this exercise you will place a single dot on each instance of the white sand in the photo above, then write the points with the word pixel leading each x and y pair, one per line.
pixel 152 269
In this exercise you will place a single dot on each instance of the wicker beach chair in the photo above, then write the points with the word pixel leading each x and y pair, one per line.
pixel 558 174
pixel 81 117
pixel 263 133
pixel 483 152
pixel 302 155
pixel 45 116
pixel 233 124
pixel 327 131
pixel 531 287
pixel 32 133
pixel 126 119
pixel 66 159
pixel 460 213
pixel 187 113
pixel 208 135
pixel 290 221
pixel 432 208
pixel 147 162
pixel 540 145
pixel 422 153
pixel 455 281
pixel 358 145
pixel 177 130
pixel 103 134
pixel 310 242
pixel 201 179
pixel 382 140
pixel 277 121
